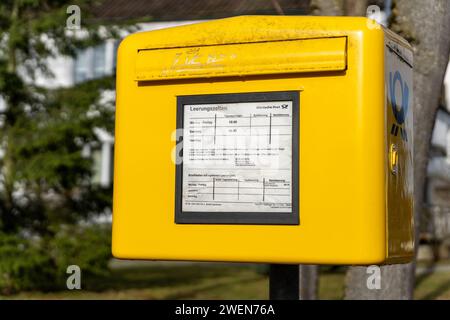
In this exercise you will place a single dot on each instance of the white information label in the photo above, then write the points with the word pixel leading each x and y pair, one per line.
pixel 237 157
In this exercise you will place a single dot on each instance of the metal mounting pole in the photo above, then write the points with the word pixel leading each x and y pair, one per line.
pixel 284 282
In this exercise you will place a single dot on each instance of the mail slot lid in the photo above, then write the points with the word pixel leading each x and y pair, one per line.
pixel 242 59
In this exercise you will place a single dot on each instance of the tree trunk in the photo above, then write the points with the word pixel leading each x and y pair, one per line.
pixel 427 26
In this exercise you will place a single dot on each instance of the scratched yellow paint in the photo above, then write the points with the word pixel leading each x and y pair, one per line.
pixel 353 208
pixel 304 55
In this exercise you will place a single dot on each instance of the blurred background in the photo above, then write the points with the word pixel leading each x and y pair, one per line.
pixel 57 91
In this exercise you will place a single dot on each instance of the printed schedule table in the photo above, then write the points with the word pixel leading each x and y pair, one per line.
pixel 237 157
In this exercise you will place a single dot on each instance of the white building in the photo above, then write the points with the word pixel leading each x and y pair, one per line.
pixel 91 63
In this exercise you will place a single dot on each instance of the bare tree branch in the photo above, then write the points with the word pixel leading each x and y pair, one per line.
pixel 277 7
pixel 355 7
pixel 327 7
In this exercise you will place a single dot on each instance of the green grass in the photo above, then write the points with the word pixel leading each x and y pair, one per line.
pixel 331 286
pixel 434 286
pixel 204 281
pixel 212 281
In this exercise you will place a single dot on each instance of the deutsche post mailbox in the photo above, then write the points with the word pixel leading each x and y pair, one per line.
pixel 265 139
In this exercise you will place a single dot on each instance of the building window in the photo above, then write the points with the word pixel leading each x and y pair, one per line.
pixel 99 67
pixel 82 66
pixel 115 48
pixel 103 164
pixel 91 63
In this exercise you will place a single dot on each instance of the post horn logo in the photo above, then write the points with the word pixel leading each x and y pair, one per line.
pixel 399 110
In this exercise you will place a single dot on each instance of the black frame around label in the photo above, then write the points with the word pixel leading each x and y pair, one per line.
pixel 270 218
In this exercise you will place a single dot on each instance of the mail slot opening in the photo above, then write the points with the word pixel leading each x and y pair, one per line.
pixel 243 59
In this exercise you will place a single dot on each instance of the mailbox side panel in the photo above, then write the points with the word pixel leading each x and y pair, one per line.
pixel 399 149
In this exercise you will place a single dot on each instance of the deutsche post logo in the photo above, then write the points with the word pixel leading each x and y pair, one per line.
pixel 399 108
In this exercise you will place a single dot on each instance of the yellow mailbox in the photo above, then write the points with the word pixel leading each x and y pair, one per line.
pixel 265 139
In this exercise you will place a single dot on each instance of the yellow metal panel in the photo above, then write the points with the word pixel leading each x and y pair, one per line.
pixel 344 209
pixel 249 29
pixel 399 149
pixel 240 59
